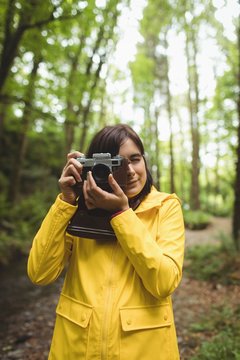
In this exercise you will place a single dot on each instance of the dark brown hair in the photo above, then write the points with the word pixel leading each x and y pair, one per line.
pixel 109 140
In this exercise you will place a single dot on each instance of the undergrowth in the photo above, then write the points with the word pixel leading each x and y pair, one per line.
pixel 18 224
pixel 223 328
pixel 196 220
pixel 218 263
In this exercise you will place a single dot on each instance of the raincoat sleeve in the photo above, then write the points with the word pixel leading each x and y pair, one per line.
pixel 51 246
pixel 157 259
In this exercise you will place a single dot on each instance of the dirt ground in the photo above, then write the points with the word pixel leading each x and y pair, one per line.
pixel 26 331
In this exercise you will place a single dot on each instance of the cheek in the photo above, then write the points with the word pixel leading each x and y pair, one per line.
pixel 143 175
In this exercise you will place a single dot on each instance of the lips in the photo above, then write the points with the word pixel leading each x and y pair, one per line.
pixel 131 182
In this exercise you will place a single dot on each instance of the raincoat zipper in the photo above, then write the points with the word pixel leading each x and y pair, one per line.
pixel 108 301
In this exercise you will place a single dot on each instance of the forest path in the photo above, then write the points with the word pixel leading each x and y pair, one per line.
pixel 219 226
pixel 28 320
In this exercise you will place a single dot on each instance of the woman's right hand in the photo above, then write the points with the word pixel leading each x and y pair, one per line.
pixel 71 174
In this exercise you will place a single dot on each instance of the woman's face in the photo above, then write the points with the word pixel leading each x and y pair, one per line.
pixel 137 175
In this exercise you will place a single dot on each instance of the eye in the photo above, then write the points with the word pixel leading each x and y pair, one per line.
pixel 135 160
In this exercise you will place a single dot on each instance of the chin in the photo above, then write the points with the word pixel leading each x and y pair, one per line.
pixel 132 193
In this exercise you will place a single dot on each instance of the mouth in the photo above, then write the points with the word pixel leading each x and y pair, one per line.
pixel 130 183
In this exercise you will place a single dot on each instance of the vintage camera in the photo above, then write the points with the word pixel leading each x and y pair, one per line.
pixel 101 165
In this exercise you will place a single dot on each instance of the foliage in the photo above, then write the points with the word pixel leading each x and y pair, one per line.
pixel 19 224
pixel 224 324
pixel 216 263
pixel 196 220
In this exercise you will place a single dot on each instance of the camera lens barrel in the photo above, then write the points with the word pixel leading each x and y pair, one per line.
pixel 100 173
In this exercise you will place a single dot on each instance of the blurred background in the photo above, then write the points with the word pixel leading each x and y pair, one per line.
pixel 171 70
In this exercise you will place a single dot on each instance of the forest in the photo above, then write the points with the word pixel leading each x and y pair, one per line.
pixel 69 67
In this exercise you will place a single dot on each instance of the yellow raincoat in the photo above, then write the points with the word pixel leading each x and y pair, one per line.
pixel 115 302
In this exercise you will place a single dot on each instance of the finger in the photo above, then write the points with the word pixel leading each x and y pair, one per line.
pixel 67 181
pixel 94 189
pixel 71 170
pixel 75 162
pixel 87 192
pixel 91 181
pixel 88 201
pixel 114 185
pixel 90 205
pixel 74 155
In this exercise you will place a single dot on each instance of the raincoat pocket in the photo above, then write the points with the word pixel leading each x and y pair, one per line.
pixel 71 330
pixel 147 333
pixel 74 311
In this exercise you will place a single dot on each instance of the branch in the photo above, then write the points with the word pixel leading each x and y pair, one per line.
pixel 49 20
pixel 9 99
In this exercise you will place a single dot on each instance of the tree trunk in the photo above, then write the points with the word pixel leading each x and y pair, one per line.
pixel 236 209
pixel 216 170
pixel 71 119
pixel 22 147
pixel 157 149
pixel 169 110
pixel 183 185
pixel 193 112
pixel 86 110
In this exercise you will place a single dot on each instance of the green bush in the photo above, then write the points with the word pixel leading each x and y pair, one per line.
pixel 220 212
pixel 196 220
pixel 224 346
pixel 224 324
pixel 218 263
pixel 203 263
pixel 19 223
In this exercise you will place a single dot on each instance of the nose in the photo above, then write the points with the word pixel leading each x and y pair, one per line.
pixel 130 169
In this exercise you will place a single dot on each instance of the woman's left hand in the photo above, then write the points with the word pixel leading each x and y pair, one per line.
pixel 95 197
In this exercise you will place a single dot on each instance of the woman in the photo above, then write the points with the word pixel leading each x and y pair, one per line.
pixel 116 298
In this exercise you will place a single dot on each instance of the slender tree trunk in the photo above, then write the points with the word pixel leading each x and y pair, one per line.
pixel 3 109
pixel 85 122
pixel 22 147
pixel 236 209
pixel 216 170
pixel 182 157
pixel 102 113
pixel 71 119
pixel 193 111
pixel 169 110
pixel 157 149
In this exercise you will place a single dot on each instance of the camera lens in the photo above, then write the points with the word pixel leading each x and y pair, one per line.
pixel 100 173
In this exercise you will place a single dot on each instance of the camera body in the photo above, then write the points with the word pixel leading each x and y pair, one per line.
pixel 101 165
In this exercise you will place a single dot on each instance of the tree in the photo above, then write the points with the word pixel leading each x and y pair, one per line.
pixel 155 25
pixel 236 208
pixel 23 134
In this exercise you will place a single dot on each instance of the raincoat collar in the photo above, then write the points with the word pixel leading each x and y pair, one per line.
pixel 154 200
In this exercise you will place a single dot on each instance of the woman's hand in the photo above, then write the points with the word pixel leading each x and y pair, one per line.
pixel 95 197
pixel 71 174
